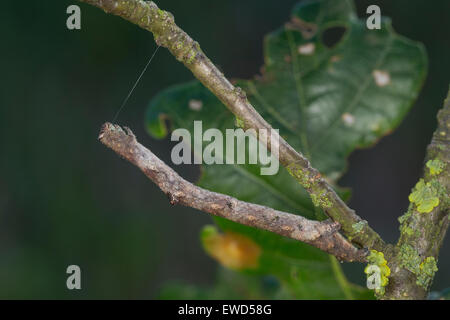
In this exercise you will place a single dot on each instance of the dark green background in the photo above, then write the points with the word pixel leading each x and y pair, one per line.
pixel 65 199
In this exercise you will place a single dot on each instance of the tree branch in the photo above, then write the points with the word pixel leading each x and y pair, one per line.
pixel 167 34
pixel 323 235
pixel 424 225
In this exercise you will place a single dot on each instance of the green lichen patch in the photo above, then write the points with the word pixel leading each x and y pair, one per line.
pixel 300 174
pixel 321 200
pixel 311 182
pixel 436 166
pixel 376 259
pixel 424 270
pixel 239 123
pixel 427 269
pixel 405 229
pixel 359 226
pixel 424 196
pixel 409 258
pixel 441 192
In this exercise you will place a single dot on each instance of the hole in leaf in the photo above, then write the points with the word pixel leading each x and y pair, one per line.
pixel 332 36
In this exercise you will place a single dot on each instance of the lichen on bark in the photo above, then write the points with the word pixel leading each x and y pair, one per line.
pixel 424 225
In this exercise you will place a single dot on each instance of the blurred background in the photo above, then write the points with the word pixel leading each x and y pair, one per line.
pixel 65 199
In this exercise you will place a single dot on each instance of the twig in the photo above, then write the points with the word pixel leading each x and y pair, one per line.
pixel 167 34
pixel 323 235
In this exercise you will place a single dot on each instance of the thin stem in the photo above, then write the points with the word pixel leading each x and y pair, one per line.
pixel 323 235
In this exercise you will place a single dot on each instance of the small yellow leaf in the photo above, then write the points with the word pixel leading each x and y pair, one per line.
pixel 232 250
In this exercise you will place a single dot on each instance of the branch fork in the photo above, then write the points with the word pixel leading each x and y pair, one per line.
pixel 324 235
pixel 147 15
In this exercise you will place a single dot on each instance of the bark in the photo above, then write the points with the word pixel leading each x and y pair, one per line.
pixel 416 254
pixel 323 235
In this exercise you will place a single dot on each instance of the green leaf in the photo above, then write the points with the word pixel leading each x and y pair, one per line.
pixel 326 102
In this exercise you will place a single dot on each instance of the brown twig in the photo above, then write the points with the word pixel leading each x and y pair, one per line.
pixel 167 34
pixel 323 235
